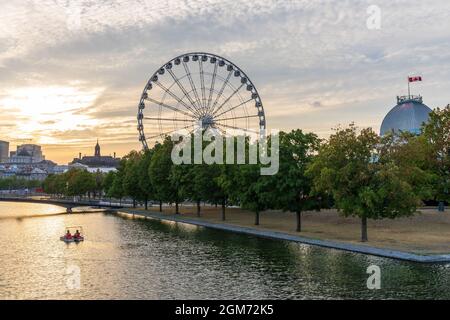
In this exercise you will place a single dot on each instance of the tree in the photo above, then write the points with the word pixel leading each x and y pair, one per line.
pixel 348 168
pixel 201 180
pixel 437 135
pixel 108 182
pixel 145 182
pixel 217 194
pixel 226 183
pixel 49 184
pixel 243 184
pixel 410 153
pixel 162 176
pixel 18 183
pixel 175 191
pixel 131 185
pixel 198 183
pixel 255 190
pixel 99 178
pixel 293 186
pixel 79 182
pixel 116 189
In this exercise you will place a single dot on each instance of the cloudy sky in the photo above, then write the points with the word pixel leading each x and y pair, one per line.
pixel 73 71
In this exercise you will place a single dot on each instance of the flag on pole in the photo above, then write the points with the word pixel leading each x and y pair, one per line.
pixel 415 78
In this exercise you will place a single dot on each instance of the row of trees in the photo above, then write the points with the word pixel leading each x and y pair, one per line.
pixel 14 183
pixel 75 183
pixel 356 171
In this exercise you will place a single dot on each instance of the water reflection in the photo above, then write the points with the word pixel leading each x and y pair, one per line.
pixel 143 258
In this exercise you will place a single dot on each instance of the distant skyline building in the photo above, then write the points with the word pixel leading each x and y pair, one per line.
pixel 408 115
pixel 4 151
pixel 27 162
pixel 97 160
pixel 27 153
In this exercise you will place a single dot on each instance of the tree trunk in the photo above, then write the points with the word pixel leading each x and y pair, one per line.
pixel 299 220
pixel 134 203
pixel 177 211
pixel 364 229
pixel 441 206
pixel 257 218
pixel 160 206
pixel 198 208
pixel 146 203
pixel 223 209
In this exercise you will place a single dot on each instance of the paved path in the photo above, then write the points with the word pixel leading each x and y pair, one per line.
pixel 387 253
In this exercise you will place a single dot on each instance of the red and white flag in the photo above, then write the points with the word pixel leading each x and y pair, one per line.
pixel 415 78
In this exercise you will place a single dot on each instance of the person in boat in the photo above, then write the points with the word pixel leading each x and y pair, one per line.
pixel 77 235
pixel 68 235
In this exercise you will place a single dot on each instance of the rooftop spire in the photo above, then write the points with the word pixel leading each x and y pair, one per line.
pixel 97 149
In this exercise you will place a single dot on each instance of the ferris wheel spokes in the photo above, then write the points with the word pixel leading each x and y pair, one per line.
pixel 180 85
pixel 169 107
pixel 222 89
pixel 173 131
pixel 199 91
pixel 227 99
pixel 194 111
pixel 211 89
pixel 202 83
pixel 194 89
pixel 233 108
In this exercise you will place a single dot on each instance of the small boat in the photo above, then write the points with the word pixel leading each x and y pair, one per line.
pixel 68 240
pixel 72 231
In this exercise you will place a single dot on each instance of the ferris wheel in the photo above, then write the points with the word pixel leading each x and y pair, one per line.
pixel 199 91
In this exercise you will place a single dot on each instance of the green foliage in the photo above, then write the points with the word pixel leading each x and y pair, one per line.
pixel 55 184
pixel 145 184
pixel 161 174
pixel 293 186
pixel 75 182
pixel 116 189
pixel 349 168
pixel 255 192
pixel 108 182
pixel 362 174
pixel 410 153
pixel 436 133
pixel 79 182
pixel 130 171
pixel 14 183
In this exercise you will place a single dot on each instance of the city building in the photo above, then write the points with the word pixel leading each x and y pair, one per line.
pixel 27 162
pixel 97 161
pixel 27 153
pixel 408 115
pixel 4 151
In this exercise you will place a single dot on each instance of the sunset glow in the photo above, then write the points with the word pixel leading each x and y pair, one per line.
pixel 73 71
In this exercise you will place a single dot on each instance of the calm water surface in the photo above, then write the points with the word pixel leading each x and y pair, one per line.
pixel 125 258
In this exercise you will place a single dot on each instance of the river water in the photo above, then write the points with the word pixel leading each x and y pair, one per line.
pixel 124 258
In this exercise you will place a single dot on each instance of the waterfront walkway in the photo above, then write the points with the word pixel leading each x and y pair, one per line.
pixel 364 249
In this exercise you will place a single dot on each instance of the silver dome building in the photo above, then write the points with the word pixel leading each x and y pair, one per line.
pixel 408 115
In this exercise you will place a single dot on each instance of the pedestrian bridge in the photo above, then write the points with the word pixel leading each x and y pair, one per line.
pixel 69 205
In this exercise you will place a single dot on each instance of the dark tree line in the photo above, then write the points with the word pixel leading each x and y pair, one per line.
pixel 355 171
pixel 14 183
pixel 75 183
